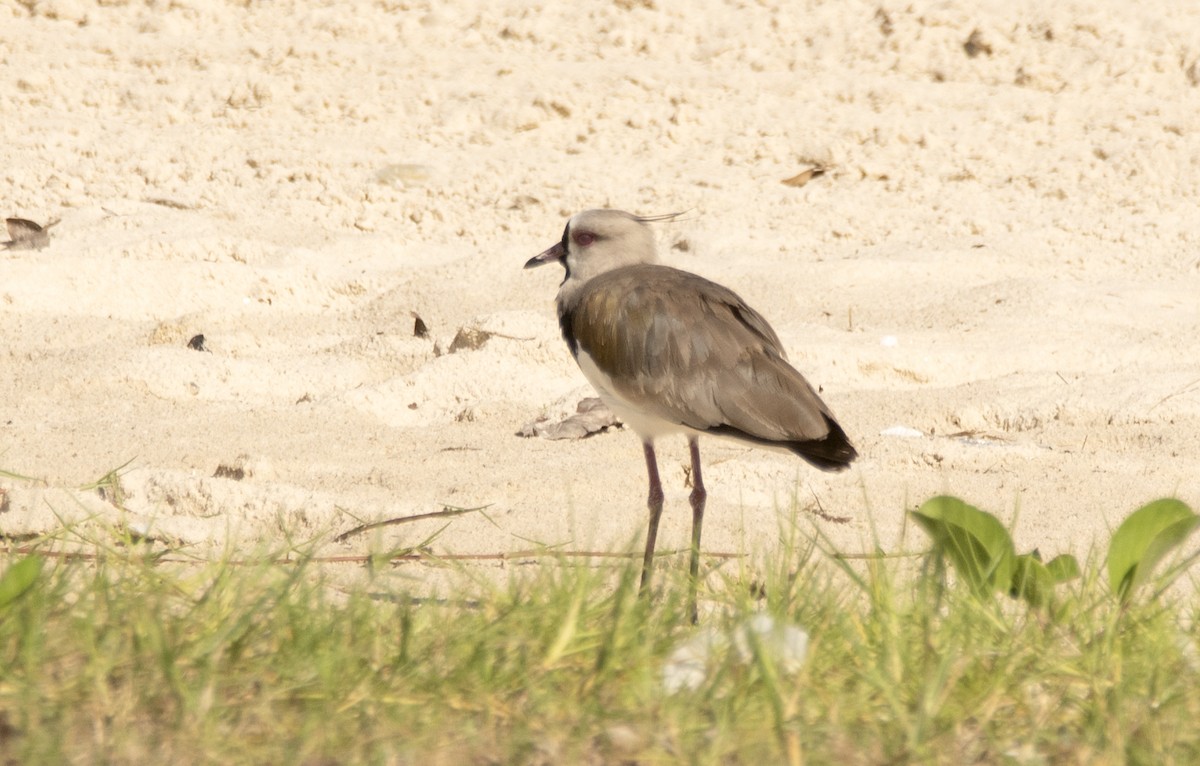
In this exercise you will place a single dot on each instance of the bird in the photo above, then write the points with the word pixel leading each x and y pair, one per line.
pixel 672 352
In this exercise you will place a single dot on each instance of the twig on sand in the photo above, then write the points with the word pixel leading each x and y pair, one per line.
pixel 529 553
pixel 445 512
pixel 1174 394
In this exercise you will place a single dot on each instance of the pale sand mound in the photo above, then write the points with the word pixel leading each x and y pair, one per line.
pixel 1002 256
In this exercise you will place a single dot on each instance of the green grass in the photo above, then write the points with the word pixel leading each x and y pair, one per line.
pixel 126 659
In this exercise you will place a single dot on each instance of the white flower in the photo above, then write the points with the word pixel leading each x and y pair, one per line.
pixel 781 643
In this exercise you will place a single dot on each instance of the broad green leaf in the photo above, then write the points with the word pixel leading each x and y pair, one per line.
pixel 977 544
pixel 1143 539
pixel 18 578
pixel 1031 580
pixel 1063 568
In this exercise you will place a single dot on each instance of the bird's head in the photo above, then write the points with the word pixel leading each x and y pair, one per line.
pixel 596 241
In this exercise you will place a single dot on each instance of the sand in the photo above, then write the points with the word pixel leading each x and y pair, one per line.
pixel 995 282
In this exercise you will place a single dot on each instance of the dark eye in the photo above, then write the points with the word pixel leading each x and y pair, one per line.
pixel 584 238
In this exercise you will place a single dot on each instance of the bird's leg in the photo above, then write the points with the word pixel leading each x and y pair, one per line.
pixel 655 503
pixel 697 497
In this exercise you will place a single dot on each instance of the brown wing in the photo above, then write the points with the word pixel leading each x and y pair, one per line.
pixel 692 352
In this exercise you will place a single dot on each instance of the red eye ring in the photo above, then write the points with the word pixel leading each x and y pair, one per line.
pixel 584 238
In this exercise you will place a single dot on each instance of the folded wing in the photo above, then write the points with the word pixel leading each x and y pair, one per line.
pixel 692 352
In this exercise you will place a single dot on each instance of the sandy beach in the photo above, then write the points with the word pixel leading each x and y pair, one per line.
pixel 995 282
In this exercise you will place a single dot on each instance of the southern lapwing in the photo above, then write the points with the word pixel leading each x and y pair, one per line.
pixel 671 352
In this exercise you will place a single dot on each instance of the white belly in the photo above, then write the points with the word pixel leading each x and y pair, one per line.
pixel 643 424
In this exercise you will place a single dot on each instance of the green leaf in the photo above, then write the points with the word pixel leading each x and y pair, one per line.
pixel 1143 539
pixel 18 578
pixel 1031 579
pixel 976 543
pixel 1063 568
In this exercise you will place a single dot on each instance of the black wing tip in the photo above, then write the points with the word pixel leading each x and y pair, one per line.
pixel 819 455
pixel 832 453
